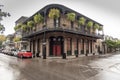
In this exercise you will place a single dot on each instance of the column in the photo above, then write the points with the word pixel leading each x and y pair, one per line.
pixel 73 46
pixel 79 46
pixel 41 51
pixel 84 46
pixel 65 45
pixel 47 47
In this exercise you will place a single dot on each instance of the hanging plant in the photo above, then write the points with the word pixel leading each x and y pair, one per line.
pixel 71 17
pixel 96 26
pixel 30 24
pixel 17 27
pixel 38 18
pixel 16 39
pixel 89 24
pixel 24 27
pixel 54 13
pixel 81 21
pixel 100 28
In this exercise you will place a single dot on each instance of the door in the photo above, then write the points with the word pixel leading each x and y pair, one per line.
pixel 56 50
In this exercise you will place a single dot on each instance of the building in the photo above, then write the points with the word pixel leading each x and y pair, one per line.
pixel 59 34
pixel 22 44
pixel 9 44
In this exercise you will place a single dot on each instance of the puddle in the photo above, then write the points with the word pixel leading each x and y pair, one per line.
pixel 115 68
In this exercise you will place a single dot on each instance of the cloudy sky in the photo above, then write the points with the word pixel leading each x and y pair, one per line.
pixel 106 12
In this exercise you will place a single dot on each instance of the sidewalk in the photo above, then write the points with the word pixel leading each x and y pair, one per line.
pixel 73 57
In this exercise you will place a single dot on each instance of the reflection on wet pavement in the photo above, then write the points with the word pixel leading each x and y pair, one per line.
pixel 82 68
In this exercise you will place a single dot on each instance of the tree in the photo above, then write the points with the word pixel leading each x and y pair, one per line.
pixel 2 39
pixel 112 44
pixel 71 18
pixel 3 14
pixel 2 28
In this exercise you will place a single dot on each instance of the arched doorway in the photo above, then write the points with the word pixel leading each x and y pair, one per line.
pixel 56 46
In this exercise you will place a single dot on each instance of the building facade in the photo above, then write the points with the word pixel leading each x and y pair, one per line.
pixel 58 35
pixel 21 44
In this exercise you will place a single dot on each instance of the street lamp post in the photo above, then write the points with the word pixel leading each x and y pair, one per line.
pixel 44 46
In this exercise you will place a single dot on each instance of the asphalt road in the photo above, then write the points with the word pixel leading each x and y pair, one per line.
pixel 103 67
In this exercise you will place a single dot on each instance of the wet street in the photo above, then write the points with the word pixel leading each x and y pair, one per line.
pixel 83 68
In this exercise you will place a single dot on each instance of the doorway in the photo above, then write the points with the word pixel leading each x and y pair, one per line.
pixel 56 46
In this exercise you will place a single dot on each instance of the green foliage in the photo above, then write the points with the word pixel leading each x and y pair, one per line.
pixel 24 27
pixel 71 16
pixel 100 28
pixel 96 26
pixel 16 39
pixel 2 38
pixel 54 13
pixel 81 21
pixel 3 14
pixel 112 44
pixel 30 24
pixel 2 28
pixel 38 18
pixel 17 27
pixel 89 24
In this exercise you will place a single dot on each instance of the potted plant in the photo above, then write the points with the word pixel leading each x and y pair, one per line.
pixel 100 29
pixel 81 22
pixel 87 52
pixel 89 25
pixel 76 53
pixel 71 17
pixel 38 18
pixel 82 51
pixel 95 27
pixel 30 24
pixel 24 27
pixel 69 52
pixel 54 14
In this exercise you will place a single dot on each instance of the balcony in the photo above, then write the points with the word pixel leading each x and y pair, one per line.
pixel 75 30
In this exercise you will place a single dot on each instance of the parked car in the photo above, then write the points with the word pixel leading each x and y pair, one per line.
pixel 14 52
pixel 24 54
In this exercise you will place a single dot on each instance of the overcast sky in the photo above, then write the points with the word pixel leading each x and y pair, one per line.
pixel 106 12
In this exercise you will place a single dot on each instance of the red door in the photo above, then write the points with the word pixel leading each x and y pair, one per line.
pixel 56 50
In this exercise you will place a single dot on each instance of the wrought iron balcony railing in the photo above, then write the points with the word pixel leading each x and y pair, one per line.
pixel 74 30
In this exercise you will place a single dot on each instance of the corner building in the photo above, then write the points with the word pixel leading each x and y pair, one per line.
pixel 56 36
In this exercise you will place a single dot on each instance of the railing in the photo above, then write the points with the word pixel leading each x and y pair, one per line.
pixel 75 30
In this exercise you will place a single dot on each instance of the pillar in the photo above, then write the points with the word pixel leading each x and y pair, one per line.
pixel 73 46
pixel 65 45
